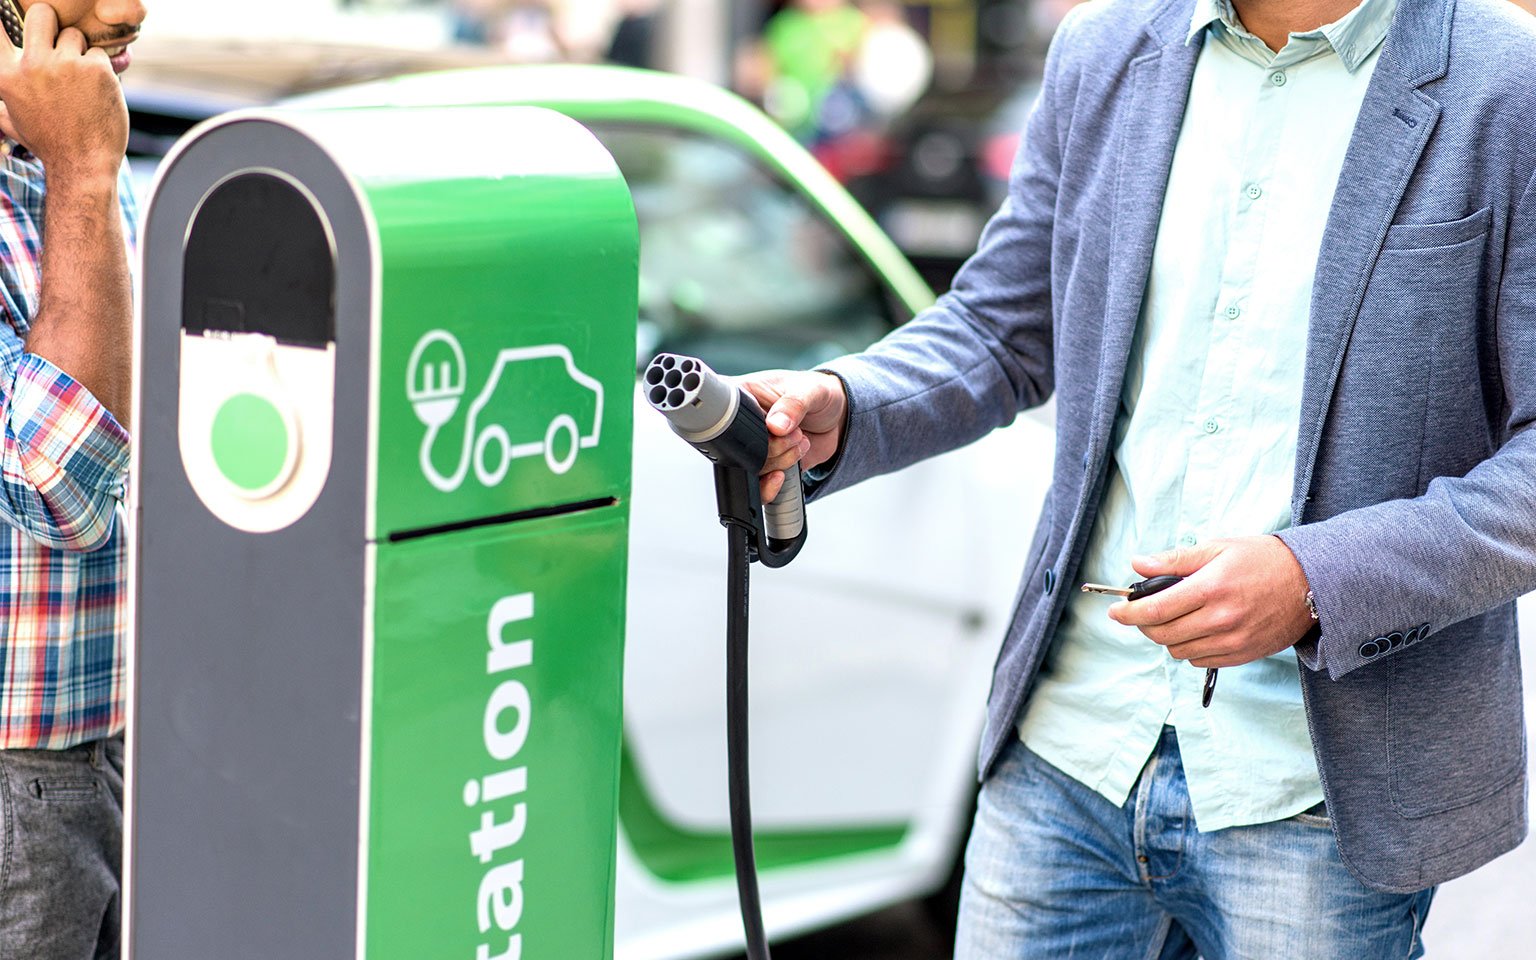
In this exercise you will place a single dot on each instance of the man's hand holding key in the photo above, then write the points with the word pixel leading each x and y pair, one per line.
pixel 1240 600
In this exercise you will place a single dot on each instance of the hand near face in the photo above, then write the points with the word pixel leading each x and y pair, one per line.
pixel 62 99
pixel 1241 600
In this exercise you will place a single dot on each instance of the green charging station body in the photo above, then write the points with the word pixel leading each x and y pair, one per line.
pixel 383 448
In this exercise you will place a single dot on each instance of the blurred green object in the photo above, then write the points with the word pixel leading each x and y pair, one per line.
pixel 810 45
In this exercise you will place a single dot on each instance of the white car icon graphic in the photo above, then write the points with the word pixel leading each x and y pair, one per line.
pixel 555 399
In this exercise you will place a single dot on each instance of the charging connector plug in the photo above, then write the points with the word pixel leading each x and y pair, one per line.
pixel 725 423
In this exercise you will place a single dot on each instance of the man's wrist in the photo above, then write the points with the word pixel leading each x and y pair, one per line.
pixel 1307 621
pixel 824 469
pixel 839 388
pixel 82 178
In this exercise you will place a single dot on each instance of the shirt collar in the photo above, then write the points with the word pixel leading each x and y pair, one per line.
pixel 1354 36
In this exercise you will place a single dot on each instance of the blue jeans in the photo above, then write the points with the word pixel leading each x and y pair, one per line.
pixel 1055 870
pixel 62 813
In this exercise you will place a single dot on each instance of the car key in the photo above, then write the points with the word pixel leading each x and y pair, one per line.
pixel 1142 588
pixel 1145 588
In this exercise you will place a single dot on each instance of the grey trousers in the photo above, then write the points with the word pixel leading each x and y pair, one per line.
pixel 61 852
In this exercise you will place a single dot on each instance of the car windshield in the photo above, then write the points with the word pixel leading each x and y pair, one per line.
pixel 735 267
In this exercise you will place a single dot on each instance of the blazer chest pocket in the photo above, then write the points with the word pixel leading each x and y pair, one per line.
pixel 1431 236
pixel 1424 293
pixel 1427 287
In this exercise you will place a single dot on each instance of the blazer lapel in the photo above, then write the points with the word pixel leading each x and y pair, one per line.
pixel 1159 85
pixel 1395 123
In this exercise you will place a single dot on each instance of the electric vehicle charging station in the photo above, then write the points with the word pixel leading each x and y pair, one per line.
pixel 383 448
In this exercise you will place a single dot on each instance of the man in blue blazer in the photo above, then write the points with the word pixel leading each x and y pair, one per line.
pixel 1276 262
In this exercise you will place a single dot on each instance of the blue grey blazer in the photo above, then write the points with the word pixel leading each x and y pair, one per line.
pixel 1415 479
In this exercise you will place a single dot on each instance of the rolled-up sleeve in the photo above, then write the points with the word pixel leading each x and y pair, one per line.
pixel 64 459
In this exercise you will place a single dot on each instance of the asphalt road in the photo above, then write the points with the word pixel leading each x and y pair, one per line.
pixel 1485 915
pixel 900 933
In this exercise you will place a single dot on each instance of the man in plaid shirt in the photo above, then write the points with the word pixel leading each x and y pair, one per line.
pixel 65 372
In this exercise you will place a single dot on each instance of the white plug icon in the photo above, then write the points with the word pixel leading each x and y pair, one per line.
pixel 434 382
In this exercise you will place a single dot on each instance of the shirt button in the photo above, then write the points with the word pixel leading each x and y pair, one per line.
pixel 1254 191
pixel 1211 425
pixel 1277 78
pixel 1233 312
pixel 1188 540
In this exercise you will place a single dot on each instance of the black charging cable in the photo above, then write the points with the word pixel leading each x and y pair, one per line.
pixel 737 593
pixel 726 424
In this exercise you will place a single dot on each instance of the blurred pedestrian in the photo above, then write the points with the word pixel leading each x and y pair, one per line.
pixel 806 49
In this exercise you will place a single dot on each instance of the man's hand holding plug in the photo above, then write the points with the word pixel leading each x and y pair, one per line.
pixel 805 421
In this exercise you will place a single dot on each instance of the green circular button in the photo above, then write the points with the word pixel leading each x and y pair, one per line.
pixel 250 441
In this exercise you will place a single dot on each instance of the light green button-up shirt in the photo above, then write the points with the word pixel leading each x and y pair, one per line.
pixel 1205 439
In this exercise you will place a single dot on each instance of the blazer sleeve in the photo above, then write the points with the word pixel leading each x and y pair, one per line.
pixel 983 352
pixel 1403 569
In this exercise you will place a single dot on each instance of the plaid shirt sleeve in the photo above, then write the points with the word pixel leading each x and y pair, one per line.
pixel 63 468
pixel 63 456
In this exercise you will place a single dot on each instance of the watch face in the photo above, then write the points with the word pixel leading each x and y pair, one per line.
pixel 10 15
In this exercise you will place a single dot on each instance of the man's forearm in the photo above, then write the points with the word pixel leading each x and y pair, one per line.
pixel 84 322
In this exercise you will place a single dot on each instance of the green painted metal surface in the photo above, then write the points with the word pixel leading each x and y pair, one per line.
pixel 678 854
pixel 506 348
pixel 497 663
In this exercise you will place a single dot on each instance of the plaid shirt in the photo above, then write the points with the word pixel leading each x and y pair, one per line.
pixel 63 472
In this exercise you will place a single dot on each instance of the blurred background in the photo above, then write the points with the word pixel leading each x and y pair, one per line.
pixel 914 106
